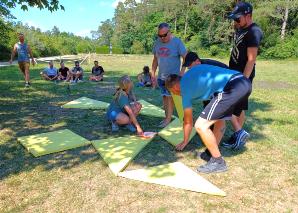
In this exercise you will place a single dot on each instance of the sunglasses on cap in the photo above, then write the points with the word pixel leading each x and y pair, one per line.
pixel 163 35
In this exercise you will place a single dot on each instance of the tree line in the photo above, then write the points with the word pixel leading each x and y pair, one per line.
pixel 201 24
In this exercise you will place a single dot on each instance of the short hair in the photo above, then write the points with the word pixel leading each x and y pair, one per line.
pixel 172 80
pixel 96 61
pixel 51 62
pixel 61 62
pixel 146 69
pixel 21 34
pixel 163 25
pixel 77 62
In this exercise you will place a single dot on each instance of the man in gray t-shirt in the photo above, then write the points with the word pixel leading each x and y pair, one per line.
pixel 167 52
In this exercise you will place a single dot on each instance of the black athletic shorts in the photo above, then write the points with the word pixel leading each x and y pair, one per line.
pixel 231 101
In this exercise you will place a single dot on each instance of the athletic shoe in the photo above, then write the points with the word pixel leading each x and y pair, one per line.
pixel 131 127
pixel 241 139
pixel 213 165
pixel 230 144
pixel 206 156
pixel 115 127
pixel 79 81
pixel 27 84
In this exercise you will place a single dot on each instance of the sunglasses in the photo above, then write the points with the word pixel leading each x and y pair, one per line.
pixel 163 35
pixel 237 20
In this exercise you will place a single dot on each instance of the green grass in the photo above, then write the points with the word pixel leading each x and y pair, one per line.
pixel 263 177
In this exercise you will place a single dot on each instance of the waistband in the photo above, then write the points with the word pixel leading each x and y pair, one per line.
pixel 236 76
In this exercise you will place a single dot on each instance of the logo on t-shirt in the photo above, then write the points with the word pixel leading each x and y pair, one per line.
pixel 235 52
pixel 163 52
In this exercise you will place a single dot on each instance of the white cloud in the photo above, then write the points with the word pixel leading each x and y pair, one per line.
pixel 84 33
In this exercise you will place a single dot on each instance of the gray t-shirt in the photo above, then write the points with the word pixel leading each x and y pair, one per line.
pixel 168 56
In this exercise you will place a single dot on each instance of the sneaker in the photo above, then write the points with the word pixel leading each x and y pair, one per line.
pixel 203 155
pixel 79 81
pixel 241 139
pixel 131 127
pixel 72 82
pixel 213 165
pixel 231 141
pixel 27 84
pixel 115 127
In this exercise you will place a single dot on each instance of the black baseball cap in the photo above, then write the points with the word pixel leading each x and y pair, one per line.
pixel 241 8
pixel 189 58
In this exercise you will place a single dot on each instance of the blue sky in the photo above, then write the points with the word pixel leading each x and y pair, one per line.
pixel 79 17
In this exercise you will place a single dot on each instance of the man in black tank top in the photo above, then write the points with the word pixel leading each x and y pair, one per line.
pixel 243 57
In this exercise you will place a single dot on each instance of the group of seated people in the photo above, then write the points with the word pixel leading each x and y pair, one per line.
pixel 74 75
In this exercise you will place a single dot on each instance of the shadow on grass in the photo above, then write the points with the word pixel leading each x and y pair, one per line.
pixel 37 109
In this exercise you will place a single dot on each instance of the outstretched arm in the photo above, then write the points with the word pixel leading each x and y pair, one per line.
pixel 133 119
pixel 187 128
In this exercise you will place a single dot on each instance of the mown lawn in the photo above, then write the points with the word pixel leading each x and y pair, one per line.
pixel 262 177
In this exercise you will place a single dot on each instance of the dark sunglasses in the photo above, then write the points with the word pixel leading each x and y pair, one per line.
pixel 163 35
pixel 237 20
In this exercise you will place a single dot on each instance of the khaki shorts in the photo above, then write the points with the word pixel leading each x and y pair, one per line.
pixel 24 65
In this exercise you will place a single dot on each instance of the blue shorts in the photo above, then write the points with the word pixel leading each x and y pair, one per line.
pixel 163 89
pixel 112 115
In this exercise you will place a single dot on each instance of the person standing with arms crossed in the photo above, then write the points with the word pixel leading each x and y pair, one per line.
pixel 167 52
pixel 243 58
pixel 23 49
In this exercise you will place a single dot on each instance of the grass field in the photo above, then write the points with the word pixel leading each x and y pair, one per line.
pixel 261 178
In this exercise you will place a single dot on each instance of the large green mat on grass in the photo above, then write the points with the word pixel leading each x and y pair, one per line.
pixel 51 142
pixel 151 110
pixel 175 175
pixel 173 133
pixel 118 152
pixel 178 106
pixel 86 103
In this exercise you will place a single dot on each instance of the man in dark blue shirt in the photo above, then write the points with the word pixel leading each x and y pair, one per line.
pixel 226 89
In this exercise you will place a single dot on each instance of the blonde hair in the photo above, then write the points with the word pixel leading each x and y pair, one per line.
pixel 124 82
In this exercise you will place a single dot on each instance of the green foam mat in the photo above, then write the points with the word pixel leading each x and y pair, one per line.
pixel 51 142
pixel 178 106
pixel 173 133
pixel 118 152
pixel 86 103
pixel 175 175
pixel 151 110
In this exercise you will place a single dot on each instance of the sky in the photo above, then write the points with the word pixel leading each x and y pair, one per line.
pixel 79 17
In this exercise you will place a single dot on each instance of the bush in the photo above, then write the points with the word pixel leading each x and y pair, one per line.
pixel 137 48
pixel 214 50
pixel 283 50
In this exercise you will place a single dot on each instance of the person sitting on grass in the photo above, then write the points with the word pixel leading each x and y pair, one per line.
pixel 49 73
pixel 76 74
pixel 97 72
pixel 121 111
pixel 63 72
pixel 145 78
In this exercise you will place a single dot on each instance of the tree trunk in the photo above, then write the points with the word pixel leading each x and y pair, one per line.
pixel 175 23
pixel 284 21
pixel 186 24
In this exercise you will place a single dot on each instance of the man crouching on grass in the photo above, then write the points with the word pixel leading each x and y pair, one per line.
pixel 226 88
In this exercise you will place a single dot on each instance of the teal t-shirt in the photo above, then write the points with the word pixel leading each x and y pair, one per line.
pixel 119 103
pixel 202 81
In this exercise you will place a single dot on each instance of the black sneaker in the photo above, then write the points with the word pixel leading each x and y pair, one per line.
pixel 241 139
pixel 231 143
pixel 213 166
pixel 27 84
pixel 203 155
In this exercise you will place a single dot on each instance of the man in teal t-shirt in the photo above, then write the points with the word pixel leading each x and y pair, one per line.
pixel 227 90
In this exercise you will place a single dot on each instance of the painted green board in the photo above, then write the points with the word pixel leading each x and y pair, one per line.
pixel 175 175
pixel 51 142
pixel 178 106
pixel 173 133
pixel 86 103
pixel 151 110
pixel 118 152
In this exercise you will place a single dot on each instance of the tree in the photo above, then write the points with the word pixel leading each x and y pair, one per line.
pixel 105 32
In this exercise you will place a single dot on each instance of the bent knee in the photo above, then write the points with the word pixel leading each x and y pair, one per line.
pixel 202 124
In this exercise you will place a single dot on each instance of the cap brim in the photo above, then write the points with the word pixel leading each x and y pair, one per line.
pixel 234 16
